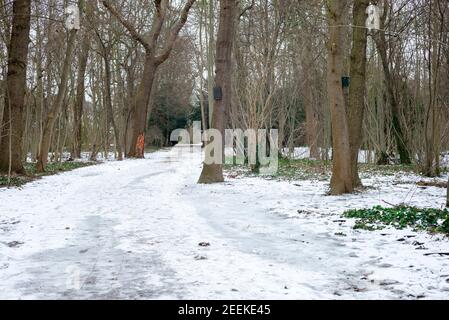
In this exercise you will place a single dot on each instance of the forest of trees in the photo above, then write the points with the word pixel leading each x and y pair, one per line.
pixel 135 70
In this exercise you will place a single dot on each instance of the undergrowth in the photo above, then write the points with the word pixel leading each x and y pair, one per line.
pixel 401 217
pixel 307 169
pixel 30 168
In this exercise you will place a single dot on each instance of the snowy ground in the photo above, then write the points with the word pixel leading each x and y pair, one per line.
pixel 365 156
pixel 132 230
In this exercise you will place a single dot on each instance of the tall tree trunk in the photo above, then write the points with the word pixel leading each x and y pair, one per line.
pixel 432 122
pixel 11 134
pixel 139 114
pixel 398 131
pixel 210 61
pixel 213 173
pixel 341 181
pixel 57 106
pixel 200 63
pixel 111 120
pixel 357 88
pixel 80 98
pixel 312 120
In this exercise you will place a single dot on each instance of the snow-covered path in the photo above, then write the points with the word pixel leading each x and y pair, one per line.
pixel 132 230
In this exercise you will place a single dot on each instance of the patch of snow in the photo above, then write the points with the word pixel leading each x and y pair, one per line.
pixel 299 153
pixel 85 156
pixel 445 159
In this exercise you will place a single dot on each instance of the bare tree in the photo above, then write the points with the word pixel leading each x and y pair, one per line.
pixel 153 60
pixel 55 109
pixel 398 130
pixel 341 181
pixel 357 88
pixel 213 173
pixel 13 126
pixel 80 89
pixel 106 48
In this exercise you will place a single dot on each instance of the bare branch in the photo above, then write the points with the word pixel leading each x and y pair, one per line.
pixel 131 29
pixel 247 8
pixel 161 6
pixel 174 32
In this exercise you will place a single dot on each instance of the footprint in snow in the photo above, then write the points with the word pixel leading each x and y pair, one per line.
pixel 14 244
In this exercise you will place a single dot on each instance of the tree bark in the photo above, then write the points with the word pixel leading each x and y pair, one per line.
pixel 357 87
pixel 210 61
pixel 341 181
pixel 11 134
pixel 433 114
pixel 79 102
pixel 111 120
pixel 312 120
pixel 139 114
pixel 398 131
pixel 213 173
pixel 57 106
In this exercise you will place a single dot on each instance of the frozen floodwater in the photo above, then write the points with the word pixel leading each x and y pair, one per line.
pixel 131 230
